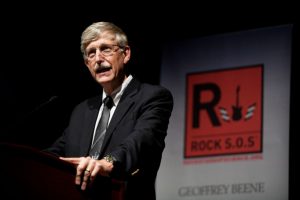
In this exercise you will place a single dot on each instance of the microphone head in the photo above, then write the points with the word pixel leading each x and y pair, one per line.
pixel 52 98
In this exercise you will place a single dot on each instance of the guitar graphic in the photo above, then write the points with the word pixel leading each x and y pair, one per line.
pixel 237 110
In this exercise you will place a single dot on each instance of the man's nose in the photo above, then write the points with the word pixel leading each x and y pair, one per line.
pixel 99 56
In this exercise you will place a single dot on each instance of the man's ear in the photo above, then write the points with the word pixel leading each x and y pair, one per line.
pixel 86 62
pixel 127 53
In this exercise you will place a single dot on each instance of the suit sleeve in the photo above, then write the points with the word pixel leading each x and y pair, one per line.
pixel 142 150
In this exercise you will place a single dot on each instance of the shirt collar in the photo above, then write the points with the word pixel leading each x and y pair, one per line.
pixel 117 93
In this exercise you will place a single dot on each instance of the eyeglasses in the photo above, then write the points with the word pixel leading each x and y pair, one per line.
pixel 105 50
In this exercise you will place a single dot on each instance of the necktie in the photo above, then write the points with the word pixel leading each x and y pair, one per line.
pixel 101 128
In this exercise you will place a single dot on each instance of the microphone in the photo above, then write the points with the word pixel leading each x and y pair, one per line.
pixel 42 105
pixel 24 124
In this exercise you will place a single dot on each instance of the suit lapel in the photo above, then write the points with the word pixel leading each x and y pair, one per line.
pixel 90 118
pixel 126 101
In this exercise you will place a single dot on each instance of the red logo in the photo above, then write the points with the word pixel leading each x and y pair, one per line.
pixel 224 112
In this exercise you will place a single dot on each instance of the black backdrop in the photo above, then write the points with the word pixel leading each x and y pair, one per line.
pixel 41 56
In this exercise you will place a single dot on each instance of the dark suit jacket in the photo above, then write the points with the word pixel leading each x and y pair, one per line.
pixel 135 135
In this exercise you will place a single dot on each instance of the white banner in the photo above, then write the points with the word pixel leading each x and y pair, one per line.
pixel 228 136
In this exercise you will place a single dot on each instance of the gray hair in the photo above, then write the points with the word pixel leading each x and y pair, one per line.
pixel 96 30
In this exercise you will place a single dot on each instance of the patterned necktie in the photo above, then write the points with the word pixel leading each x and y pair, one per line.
pixel 101 128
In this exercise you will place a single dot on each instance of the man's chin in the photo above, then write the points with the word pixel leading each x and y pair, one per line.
pixel 103 79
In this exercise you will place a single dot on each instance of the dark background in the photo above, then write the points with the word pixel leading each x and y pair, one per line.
pixel 41 55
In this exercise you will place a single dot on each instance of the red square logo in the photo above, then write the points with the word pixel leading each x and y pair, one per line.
pixel 224 112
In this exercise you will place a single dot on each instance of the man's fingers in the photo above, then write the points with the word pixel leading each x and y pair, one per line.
pixel 94 172
pixel 75 161
pixel 83 185
pixel 85 179
pixel 78 180
pixel 86 171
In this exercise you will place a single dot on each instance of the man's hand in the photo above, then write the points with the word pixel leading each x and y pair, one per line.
pixel 88 169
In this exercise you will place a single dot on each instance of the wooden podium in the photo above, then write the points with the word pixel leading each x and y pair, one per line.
pixel 27 173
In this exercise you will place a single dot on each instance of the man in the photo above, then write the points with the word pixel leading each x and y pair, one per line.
pixel 131 146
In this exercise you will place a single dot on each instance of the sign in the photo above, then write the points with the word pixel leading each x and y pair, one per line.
pixel 224 112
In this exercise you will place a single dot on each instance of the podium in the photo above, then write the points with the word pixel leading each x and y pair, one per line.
pixel 28 173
